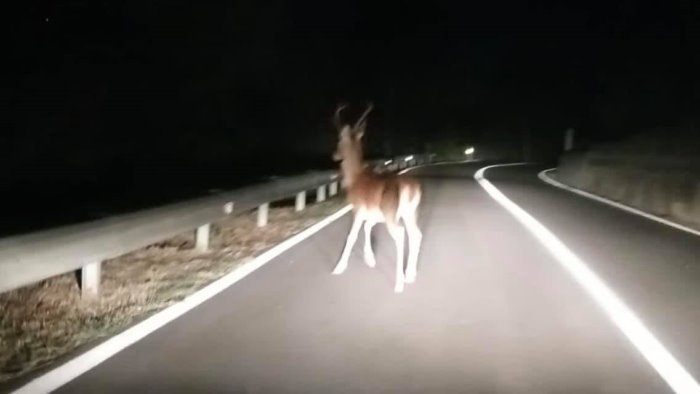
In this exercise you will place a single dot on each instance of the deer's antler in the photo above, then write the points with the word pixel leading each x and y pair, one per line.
pixel 336 117
pixel 370 105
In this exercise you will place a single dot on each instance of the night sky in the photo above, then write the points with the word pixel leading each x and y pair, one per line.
pixel 124 94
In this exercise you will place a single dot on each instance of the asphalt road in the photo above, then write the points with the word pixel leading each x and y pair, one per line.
pixel 491 311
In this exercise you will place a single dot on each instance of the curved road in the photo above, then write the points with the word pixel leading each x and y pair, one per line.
pixel 491 312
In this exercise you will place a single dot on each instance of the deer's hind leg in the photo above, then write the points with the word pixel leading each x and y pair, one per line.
pixel 415 237
pixel 397 233
pixel 369 254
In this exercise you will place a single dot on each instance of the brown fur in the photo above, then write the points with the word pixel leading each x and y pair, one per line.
pixel 377 198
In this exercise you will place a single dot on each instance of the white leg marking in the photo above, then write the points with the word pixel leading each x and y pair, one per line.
pixel 415 237
pixel 397 232
pixel 369 254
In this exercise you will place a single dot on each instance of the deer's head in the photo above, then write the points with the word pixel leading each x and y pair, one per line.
pixel 350 137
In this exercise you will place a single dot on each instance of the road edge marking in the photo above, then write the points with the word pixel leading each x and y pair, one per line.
pixel 553 182
pixel 630 325
pixel 84 362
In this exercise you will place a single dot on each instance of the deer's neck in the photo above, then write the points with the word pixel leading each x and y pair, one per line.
pixel 352 168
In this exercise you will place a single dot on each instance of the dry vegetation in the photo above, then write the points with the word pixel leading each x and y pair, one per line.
pixel 48 320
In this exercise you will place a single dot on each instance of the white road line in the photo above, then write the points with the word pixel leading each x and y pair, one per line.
pixel 546 178
pixel 63 374
pixel 655 353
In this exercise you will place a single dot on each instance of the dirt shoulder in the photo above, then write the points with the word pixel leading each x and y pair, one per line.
pixel 42 323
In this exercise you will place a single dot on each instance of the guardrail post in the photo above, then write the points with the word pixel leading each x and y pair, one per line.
pixel 321 193
pixel 301 201
pixel 262 214
pixel 201 236
pixel 333 188
pixel 90 275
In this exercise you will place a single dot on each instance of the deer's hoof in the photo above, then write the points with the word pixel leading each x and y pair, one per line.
pixel 339 269
pixel 371 262
pixel 410 278
pixel 398 288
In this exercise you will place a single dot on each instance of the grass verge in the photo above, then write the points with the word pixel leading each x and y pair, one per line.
pixel 43 322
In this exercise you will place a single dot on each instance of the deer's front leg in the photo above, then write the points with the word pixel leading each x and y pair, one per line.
pixel 349 243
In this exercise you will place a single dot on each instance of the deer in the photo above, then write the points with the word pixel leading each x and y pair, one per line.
pixel 387 198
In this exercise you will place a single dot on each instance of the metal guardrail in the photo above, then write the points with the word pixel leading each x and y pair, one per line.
pixel 29 258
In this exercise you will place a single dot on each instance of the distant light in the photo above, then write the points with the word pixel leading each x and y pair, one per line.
pixel 47 19
pixel 409 158
pixel 386 163
pixel 469 150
